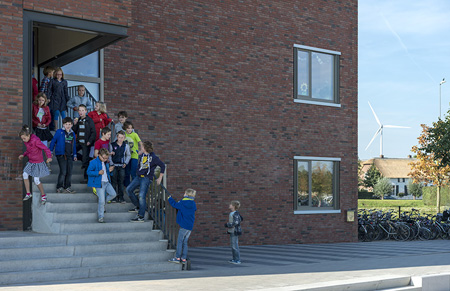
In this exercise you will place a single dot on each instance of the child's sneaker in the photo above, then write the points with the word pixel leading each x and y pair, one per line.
pixel 137 219
pixel 43 199
pixel 175 260
pixel 183 261
pixel 28 196
pixel 135 209
pixel 101 220
pixel 70 191
pixel 94 191
pixel 60 190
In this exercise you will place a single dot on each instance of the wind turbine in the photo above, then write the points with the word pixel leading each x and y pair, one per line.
pixel 380 131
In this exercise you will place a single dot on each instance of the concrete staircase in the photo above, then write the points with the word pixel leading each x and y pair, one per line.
pixel 68 243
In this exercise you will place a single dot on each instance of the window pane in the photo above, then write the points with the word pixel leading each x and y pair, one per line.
pixel 86 66
pixel 322 76
pixel 322 184
pixel 303 184
pixel 303 73
pixel 92 89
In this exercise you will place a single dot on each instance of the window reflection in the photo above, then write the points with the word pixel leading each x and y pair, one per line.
pixel 303 183
pixel 303 73
pixel 322 76
pixel 322 184
pixel 87 66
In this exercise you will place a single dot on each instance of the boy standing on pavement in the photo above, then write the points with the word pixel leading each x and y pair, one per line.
pixel 185 218
pixel 234 230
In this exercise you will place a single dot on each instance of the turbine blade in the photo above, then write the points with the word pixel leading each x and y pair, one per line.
pixel 374 136
pixel 374 114
pixel 396 126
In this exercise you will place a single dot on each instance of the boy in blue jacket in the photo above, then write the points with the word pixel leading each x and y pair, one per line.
pixel 185 218
pixel 99 177
pixel 66 152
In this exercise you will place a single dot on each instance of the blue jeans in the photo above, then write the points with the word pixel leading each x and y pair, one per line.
pixel 235 247
pixel 143 183
pixel 101 193
pixel 130 170
pixel 56 113
pixel 182 243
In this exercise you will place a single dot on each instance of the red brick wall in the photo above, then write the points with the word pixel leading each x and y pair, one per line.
pixel 11 85
pixel 210 83
pixel 11 113
pixel 109 11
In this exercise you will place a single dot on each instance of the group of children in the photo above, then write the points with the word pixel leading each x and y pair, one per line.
pixel 108 166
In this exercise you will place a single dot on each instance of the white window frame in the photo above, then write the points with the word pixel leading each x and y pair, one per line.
pixel 309 100
pixel 336 195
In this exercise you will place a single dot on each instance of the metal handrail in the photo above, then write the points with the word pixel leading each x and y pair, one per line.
pixel 164 216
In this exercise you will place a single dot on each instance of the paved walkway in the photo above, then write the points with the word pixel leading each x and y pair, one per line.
pixel 281 267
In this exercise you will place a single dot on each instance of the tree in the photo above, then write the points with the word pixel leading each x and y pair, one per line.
pixel 416 189
pixel 372 176
pixel 360 173
pixel 382 187
pixel 428 168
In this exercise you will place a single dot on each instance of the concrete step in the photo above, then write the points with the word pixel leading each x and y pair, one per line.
pixel 51 187
pixel 121 248
pixel 113 237
pixel 53 177
pixel 78 273
pixel 85 207
pixel 72 198
pixel 360 284
pixel 106 227
pixel 26 239
pixel 33 252
pixel 92 217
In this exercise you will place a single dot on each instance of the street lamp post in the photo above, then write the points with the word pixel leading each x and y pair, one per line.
pixel 440 85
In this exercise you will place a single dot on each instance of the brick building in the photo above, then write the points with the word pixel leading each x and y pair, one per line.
pixel 247 100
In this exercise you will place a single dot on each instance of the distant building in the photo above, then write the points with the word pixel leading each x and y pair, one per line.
pixel 396 170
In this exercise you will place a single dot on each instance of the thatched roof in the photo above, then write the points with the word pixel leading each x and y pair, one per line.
pixel 390 168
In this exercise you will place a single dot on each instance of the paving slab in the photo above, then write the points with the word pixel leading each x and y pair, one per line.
pixel 282 267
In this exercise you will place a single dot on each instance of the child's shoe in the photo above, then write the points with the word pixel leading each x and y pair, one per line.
pixel 60 190
pixel 43 199
pixel 175 260
pixel 101 220
pixel 28 196
pixel 234 262
pixel 94 191
pixel 183 261
pixel 70 191
pixel 134 209
pixel 137 219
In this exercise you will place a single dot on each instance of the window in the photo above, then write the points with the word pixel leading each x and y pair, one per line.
pixel 316 184
pixel 316 76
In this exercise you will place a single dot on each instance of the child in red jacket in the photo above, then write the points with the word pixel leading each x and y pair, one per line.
pixel 42 118
pixel 35 166
pixel 100 118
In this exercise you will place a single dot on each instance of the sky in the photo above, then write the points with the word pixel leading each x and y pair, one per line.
pixel 403 55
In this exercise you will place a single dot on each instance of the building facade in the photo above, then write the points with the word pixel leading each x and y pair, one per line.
pixel 254 101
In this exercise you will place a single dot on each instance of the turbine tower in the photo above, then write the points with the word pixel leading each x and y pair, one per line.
pixel 380 131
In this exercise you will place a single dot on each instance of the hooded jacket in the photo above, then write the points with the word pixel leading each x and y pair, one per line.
pixel 34 150
pixel 186 211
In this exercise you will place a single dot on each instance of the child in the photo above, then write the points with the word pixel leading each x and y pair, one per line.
pixel 100 117
pixel 234 230
pixel 147 165
pixel 48 75
pixel 100 178
pixel 102 142
pixel 135 144
pixel 185 219
pixel 41 118
pixel 65 152
pixel 35 166
pixel 123 116
pixel 85 129
pixel 76 101
pixel 120 157
pixel 58 95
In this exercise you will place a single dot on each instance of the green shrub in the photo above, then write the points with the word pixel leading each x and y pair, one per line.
pixel 429 196
pixel 365 195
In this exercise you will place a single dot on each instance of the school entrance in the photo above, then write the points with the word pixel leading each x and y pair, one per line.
pixel 76 46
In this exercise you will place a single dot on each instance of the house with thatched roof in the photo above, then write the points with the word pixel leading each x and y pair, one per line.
pixel 395 169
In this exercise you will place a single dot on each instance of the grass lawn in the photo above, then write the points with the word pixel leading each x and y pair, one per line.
pixel 406 205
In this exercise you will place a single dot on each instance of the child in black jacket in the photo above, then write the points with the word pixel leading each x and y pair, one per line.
pixel 234 230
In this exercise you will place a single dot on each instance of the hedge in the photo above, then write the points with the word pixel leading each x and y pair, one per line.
pixel 366 195
pixel 429 196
